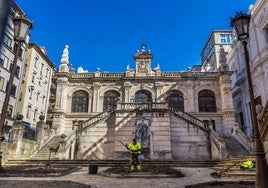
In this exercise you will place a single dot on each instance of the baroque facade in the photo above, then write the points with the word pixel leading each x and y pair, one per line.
pixel 169 112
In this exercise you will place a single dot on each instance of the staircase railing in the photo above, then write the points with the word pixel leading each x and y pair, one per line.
pixel 263 120
pixel 243 139
pixel 190 119
pixel 219 143
pixel 43 145
pixel 96 119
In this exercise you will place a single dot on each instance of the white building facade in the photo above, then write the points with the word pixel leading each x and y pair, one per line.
pixel 258 52
pixel 6 63
pixel 36 85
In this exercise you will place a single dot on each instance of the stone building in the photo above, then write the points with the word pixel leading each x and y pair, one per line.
pixel 215 50
pixel 175 115
pixel 258 55
pixel 257 47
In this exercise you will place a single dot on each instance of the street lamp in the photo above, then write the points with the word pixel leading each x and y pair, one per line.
pixel 21 27
pixel 241 24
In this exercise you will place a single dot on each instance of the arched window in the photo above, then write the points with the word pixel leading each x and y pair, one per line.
pixel 143 96
pixel 80 101
pixel 110 99
pixel 175 99
pixel 207 101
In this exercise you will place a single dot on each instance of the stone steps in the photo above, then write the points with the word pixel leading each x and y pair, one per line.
pixel 234 148
pixel 43 152
pixel 231 168
pixel 109 163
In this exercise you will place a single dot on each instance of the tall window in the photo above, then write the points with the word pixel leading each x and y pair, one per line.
pixel 175 99
pixel 7 40
pixel 9 111
pixel 2 81
pixel 110 99
pixel 207 101
pixel 12 90
pixel 143 96
pixel 80 102
pixel 29 110
pixel 266 34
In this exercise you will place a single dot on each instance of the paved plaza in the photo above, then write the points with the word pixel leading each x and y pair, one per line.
pixel 192 176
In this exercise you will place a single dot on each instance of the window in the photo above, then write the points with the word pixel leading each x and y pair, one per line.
pixel 43 99
pixel 20 52
pixel 36 61
pixel 31 92
pixel 12 90
pixel 41 71
pixel 175 100
pixel 7 40
pixel 17 73
pixel 47 72
pixel 29 109
pixel 2 81
pixel 266 34
pixel 1 61
pixel 110 99
pixel 10 67
pixel 37 96
pixel 143 96
pixel 33 78
pixel 207 101
pixel 9 111
pixel 226 38
pixel 80 102
pixel 35 114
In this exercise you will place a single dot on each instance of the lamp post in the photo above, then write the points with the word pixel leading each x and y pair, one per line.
pixel 21 28
pixel 241 24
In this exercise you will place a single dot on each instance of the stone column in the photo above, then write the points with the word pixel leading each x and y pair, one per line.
pixel 95 100
pixel 42 130
pixel 227 107
pixel 62 147
pixel 158 88
pixel 127 86
pixel 17 135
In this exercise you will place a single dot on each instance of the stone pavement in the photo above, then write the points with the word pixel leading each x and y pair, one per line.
pixel 192 176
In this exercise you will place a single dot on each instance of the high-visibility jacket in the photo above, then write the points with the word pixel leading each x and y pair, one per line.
pixel 135 148
pixel 248 164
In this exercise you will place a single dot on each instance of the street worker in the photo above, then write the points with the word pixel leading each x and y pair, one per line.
pixel 248 164
pixel 135 149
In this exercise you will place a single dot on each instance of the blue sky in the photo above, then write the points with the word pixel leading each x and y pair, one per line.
pixel 106 34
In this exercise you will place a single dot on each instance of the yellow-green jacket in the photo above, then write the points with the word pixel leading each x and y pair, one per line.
pixel 135 149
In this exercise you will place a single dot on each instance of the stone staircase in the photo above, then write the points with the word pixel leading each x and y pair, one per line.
pixel 114 163
pixel 234 148
pixel 231 168
pixel 44 151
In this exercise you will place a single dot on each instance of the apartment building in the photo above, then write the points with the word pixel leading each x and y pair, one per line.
pixel 35 90
pixel 215 48
pixel 7 54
